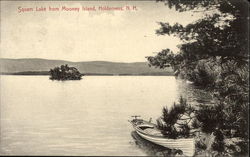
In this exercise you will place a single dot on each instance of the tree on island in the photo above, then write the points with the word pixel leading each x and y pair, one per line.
pixel 64 72
pixel 215 56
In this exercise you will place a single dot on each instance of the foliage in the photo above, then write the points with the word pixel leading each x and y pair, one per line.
pixel 214 55
pixel 200 145
pixel 176 120
pixel 218 144
pixel 209 117
pixel 219 34
pixel 64 72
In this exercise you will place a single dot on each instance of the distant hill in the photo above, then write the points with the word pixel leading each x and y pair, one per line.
pixel 31 66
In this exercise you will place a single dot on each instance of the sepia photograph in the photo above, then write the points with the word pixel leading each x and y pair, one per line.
pixel 124 78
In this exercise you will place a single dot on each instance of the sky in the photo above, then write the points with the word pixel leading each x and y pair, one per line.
pixel 118 36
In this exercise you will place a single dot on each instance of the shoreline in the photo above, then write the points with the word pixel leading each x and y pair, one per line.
pixel 45 73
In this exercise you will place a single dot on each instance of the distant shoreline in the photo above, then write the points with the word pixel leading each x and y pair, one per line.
pixel 96 68
pixel 46 73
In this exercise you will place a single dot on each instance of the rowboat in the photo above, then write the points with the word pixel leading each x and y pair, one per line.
pixel 150 132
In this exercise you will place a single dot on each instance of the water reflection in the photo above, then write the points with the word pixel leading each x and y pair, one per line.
pixel 194 95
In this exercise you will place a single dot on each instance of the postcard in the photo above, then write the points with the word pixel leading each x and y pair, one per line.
pixel 124 78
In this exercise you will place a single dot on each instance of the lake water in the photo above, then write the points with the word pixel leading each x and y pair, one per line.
pixel 86 117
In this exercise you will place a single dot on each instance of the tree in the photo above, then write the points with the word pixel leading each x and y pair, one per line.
pixel 214 55
pixel 64 72
pixel 177 120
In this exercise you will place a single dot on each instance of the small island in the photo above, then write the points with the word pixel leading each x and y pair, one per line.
pixel 64 72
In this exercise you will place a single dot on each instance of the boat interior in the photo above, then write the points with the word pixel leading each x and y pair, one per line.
pixel 151 130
